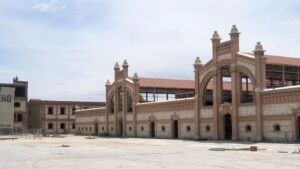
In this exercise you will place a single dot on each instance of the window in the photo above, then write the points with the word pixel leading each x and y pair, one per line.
pixel 276 127
pixel 86 128
pixel 50 110
pixel 102 128
pixel 130 128
pixel 188 128
pixel 129 102
pixel 62 125
pixel 207 128
pixel 112 105
pixel 248 128
pixel 73 111
pixel 20 92
pixel 17 104
pixel 142 128
pixel 163 128
pixel 19 118
pixel 62 111
pixel 90 128
pixel 111 128
pixel 78 128
pixel 120 99
pixel 50 126
pixel 73 126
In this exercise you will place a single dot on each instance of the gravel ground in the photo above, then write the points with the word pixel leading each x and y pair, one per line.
pixel 78 152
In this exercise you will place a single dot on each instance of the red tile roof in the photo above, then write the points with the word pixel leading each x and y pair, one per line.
pixel 281 60
pixel 179 84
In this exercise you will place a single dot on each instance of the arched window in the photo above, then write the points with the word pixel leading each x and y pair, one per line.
pixel 248 128
pixel 276 127
pixel 163 128
pixel 207 128
pixel 102 128
pixel 129 102
pixel 142 128
pixel 208 94
pixel 130 128
pixel 188 128
pixel 112 105
pixel 120 99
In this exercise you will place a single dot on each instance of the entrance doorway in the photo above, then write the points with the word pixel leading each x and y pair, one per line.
pixel 227 127
pixel 175 129
pixel 120 128
pixel 152 129
pixel 96 129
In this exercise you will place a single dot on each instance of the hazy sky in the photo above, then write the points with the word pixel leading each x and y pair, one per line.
pixel 66 49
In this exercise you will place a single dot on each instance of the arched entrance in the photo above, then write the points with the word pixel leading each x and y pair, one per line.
pixel 152 129
pixel 96 129
pixel 227 127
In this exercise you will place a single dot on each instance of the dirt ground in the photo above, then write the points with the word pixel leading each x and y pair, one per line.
pixel 78 152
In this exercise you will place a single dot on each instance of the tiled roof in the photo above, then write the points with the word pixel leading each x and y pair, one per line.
pixel 280 60
pixel 178 84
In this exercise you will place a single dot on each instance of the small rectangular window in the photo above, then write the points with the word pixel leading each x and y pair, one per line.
pixel 19 118
pixel 50 125
pixel 50 110
pixel 62 126
pixel 62 111
pixel 17 104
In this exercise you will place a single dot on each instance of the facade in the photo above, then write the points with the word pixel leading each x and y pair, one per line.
pixel 14 110
pixel 235 96
pixel 56 117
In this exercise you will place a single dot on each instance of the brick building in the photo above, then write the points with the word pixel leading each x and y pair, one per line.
pixel 56 117
pixel 235 96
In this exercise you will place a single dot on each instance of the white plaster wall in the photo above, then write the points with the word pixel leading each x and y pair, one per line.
pixel 247 110
pixel 206 113
pixel 247 135
pixel 285 134
pixel 183 133
pixel 279 109
pixel 224 57
pixel 164 134
pixel 166 115
pixel 145 132
pixel 206 134
pixel 129 117
pixel 129 133
pixel 111 117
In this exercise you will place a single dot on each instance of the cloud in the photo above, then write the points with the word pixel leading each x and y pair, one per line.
pixel 49 6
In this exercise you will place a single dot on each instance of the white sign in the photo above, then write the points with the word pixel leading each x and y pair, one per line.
pixel 7 100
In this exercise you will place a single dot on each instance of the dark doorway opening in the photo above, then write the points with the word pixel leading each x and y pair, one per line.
pixel 227 127
pixel 96 129
pixel 298 121
pixel 120 128
pixel 175 129
pixel 152 129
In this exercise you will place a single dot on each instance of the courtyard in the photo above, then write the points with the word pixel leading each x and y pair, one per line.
pixel 81 152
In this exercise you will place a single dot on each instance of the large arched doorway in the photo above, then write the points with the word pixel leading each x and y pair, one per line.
pixel 227 127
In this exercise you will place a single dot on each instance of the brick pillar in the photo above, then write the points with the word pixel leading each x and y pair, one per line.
pixel 260 75
pixel 198 102
pixel 135 101
pixel 108 102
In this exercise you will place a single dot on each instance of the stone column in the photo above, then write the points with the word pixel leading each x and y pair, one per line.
pixel 198 102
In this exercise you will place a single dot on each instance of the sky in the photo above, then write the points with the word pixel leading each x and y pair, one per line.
pixel 66 49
